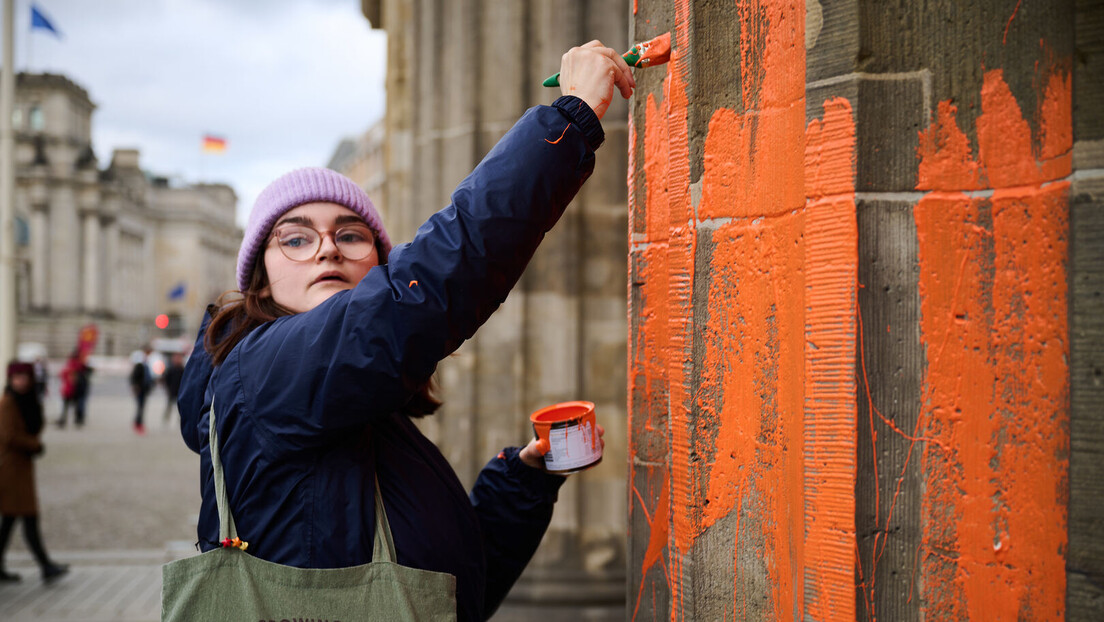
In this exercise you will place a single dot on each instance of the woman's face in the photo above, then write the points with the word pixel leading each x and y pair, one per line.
pixel 310 278
pixel 21 383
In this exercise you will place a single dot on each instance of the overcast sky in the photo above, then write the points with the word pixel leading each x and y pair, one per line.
pixel 282 80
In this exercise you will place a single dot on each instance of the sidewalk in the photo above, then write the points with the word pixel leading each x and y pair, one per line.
pixel 114 506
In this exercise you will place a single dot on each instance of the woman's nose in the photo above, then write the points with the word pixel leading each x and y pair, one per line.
pixel 327 249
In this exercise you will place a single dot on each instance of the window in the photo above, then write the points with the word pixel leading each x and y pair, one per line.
pixel 38 122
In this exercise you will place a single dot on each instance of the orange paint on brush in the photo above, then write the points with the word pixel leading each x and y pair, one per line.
pixel 994 325
pixel 831 309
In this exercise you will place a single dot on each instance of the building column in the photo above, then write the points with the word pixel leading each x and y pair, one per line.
pixel 40 256
pixel 91 285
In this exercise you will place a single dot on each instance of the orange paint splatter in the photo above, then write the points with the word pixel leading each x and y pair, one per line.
pixel 562 134
pixel 993 307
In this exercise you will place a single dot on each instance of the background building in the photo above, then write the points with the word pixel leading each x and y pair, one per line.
pixel 112 247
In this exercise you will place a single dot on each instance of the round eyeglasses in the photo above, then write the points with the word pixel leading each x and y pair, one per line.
pixel 301 243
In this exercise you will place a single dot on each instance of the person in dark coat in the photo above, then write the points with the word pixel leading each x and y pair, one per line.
pixel 174 373
pixel 141 383
pixel 75 385
pixel 20 427
pixel 315 373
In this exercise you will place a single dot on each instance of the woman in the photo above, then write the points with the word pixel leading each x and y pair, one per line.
pixel 20 426
pixel 315 373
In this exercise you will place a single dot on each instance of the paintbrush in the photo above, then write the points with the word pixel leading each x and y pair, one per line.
pixel 645 54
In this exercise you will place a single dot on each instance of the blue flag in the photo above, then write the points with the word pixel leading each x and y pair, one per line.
pixel 178 292
pixel 38 20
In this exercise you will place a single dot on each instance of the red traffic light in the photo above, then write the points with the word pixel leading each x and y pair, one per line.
pixel 162 321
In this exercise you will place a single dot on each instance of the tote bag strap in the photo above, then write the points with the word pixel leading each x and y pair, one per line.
pixel 227 528
pixel 383 544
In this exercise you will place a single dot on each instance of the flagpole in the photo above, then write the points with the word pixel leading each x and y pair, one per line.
pixel 8 308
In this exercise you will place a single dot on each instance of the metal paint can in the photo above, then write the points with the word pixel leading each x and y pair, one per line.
pixel 570 431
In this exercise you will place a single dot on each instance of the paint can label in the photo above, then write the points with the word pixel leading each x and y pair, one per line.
pixel 572 446
pixel 571 433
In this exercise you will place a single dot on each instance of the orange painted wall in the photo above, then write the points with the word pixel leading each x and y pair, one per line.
pixel 994 326
pixel 744 357
pixel 779 291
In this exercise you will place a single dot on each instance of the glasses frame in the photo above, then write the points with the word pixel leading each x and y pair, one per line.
pixel 322 233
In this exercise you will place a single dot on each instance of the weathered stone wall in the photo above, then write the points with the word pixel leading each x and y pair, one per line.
pixel 864 304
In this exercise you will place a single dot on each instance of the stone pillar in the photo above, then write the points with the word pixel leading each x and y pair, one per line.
pixel 40 256
pixel 850 357
pixel 91 268
pixel 459 75
pixel 65 250
pixel 1085 566
pixel 112 282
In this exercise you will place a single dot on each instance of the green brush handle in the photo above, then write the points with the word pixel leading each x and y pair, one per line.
pixel 632 57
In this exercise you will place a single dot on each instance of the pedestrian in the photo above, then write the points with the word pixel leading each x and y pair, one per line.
pixel 75 387
pixel 141 383
pixel 314 375
pixel 174 372
pixel 20 427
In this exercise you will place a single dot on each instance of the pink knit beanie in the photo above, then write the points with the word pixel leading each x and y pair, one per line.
pixel 305 185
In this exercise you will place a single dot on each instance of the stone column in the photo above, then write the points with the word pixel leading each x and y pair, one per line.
pixel 40 256
pixel 459 76
pixel 91 283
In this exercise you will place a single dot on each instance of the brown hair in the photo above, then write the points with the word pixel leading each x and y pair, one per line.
pixel 238 313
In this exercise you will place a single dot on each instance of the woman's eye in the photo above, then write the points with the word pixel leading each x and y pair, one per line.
pixel 294 240
pixel 352 236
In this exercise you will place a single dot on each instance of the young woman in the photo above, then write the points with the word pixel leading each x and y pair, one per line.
pixel 315 372
pixel 20 426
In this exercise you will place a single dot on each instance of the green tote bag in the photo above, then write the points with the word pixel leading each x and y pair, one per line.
pixel 229 584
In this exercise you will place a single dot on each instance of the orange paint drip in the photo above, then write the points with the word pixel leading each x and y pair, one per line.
pixel 831 309
pixel 994 324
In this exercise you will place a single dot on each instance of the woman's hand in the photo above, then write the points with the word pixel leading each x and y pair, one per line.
pixel 590 72
pixel 533 453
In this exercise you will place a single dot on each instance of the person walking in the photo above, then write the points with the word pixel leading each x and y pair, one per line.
pixel 174 372
pixel 20 426
pixel 75 385
pixel 300 394
pixel 141 382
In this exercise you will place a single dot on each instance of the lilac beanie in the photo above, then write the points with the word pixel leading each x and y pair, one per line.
pixel 305 185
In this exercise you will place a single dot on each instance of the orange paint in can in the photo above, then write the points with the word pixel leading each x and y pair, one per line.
pixel 570 432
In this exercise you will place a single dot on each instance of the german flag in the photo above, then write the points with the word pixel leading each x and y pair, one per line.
pixel 214 144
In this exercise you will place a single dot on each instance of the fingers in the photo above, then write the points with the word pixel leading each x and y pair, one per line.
pixel 591 71
pixel 623 79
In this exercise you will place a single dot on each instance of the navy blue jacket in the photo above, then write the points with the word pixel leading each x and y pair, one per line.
pixel 307 404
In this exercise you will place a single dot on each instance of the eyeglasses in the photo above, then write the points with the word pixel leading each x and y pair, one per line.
pixel 301 243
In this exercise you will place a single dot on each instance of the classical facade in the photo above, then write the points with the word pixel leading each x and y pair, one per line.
pixel 113 247
pixel 459 74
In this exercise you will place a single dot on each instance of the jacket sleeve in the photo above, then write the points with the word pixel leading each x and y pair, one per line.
pixel 513 503
pixel 193 387
pixel 363 352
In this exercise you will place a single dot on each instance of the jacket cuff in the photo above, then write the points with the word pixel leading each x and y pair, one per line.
pixel 535 480
pixel 581 114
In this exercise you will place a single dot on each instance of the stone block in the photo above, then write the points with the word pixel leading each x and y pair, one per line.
pixel 890 365
pixel 1085 566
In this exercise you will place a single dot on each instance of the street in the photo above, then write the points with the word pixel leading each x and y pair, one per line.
pixel 113 505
